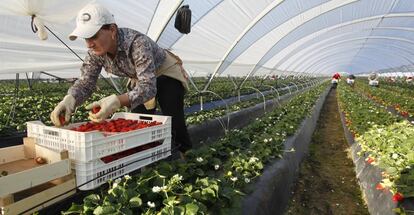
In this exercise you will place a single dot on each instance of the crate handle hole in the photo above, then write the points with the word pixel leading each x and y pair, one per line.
pixel 145 118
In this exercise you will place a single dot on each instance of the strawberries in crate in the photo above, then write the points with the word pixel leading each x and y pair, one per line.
pixel 116 125
pixel 119 155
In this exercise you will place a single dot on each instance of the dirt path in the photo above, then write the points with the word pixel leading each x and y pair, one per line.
pixel 327 182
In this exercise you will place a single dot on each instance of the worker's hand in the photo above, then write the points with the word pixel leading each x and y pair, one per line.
pixel 108 105
pixel 66 106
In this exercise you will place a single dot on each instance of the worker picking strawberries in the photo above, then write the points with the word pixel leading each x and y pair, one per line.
pixel 155 74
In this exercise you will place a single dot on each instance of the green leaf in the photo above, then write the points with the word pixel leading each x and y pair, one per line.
pixel 179 210
pixel 93 198
pixel 188 188
pixel 168 210
pixel 199 172
pixel 88 209
pixel 208 192
pixel 131 192
pixel 170 201
pixel 74 209
pixel 164 168
pixel 191 208
pixel 135 202
pixel 215 187
pixel 196 194
pixel 126 211
pixel 104 210
pixel 239 169
pixel 202 182
pixel 185 199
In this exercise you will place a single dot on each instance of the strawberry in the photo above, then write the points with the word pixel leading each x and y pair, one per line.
pixel 404 113
pixel 62 119
pixel 380 186
pixel 116 125
pixel 370 160
pixel 397 197
pixel 40 160
pixel 96 110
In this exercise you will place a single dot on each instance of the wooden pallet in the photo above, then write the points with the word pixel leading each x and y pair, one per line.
pixel 29 186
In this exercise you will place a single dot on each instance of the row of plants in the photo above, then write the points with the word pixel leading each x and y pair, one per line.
pixel 201 116
pixel 38 102
pixel 385 139
pixel 225 88
pixel 398 89
pixel 222 86
pixel 204 115
pixel 403 103
pixel 365 112
pixel 400 83
pixel 212 179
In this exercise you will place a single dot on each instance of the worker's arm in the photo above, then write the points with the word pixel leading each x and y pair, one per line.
pixel 79 92
pixel 86 84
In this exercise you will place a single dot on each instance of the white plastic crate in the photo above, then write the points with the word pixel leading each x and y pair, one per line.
pixel 93 169
pixel 88 146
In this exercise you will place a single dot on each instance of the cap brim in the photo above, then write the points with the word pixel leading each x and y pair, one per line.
pixel 84 31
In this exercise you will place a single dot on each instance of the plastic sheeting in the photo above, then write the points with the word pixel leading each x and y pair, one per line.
pixel 238 38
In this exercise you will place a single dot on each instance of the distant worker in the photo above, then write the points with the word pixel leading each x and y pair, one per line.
pixel 336 76
pixel 335 80
pixel 409 80
pixel 373 79
pixel 391 79
pixel 350 80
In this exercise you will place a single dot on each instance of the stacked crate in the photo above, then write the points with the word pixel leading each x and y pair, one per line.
pixel 98 156
pixel 28 185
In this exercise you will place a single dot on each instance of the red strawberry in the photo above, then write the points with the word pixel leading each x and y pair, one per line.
pixel 62 119
pixel 398 197
pixel 96 110
pixel 380 186
pixel 404 113
pixel 370 160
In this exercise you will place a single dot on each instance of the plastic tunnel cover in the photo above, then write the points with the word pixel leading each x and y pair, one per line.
pixel 235 38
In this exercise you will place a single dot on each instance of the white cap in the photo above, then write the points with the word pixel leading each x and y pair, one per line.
pixel 90 19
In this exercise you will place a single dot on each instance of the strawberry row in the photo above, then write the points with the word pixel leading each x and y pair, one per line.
pixel 385 138
pixel 403 103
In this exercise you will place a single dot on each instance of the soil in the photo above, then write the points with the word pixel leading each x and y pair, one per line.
pixel 327 182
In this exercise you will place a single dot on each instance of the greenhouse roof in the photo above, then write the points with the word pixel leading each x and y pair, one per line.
pixel 241 37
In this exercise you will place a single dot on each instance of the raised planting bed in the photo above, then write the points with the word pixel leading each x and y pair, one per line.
pixel 273 189
pixel 382 150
